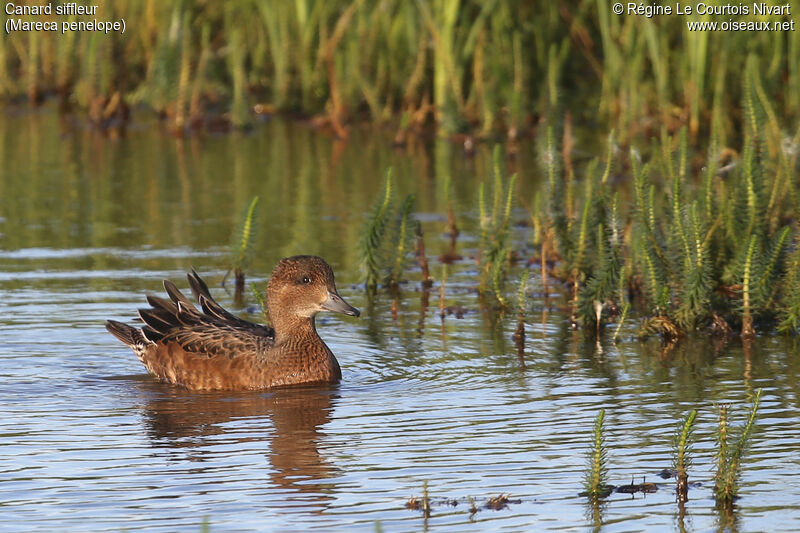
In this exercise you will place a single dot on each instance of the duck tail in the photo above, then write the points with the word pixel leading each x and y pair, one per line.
pixel 129 336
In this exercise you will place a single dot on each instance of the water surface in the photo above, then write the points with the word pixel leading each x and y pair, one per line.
pixel 88 441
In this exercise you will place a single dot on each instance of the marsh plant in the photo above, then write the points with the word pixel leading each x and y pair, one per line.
pixel 587 238
pixel 464 65
pixel 682 454
pixel 242 247
pixel 495 231
pixel 717 251
pixel 596 478
pixel 519 333
pixel 387 239
pixel 730 454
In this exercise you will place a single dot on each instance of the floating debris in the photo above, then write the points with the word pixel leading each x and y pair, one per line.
pixel 455 310
pixel 667 473
pixel 472 507
pixel 420 504
pixel 633 488
pixel 496 503
pixel 499 502
pixel 414 504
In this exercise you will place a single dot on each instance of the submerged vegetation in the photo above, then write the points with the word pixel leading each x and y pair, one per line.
pixel 465 65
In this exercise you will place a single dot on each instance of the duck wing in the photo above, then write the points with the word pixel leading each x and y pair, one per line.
pixel 213 309
pixel 212 331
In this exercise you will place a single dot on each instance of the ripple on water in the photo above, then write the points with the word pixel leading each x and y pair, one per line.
pixel 88 438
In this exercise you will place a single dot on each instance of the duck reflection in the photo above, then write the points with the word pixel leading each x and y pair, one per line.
pixel 288 421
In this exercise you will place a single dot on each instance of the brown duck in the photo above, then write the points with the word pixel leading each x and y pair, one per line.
pixel 212 349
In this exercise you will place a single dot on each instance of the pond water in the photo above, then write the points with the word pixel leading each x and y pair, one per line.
pixel 89 442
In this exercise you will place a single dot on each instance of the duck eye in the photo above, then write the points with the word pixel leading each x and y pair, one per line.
pixel 306 280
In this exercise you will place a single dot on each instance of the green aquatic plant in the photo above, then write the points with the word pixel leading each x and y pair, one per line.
pixel 729 457
pixel 715 250
pixel 402 242
pixel 597 260
pixel 495 231
pixel 681 457
pixel 603 285
pixel 521 294
pixel 462 64
pixel 387 239
pixel 373 233
pixel 596 478
pixel 558 205
pixel 789 310
pixel 242 246
pixel 651 259
pixel 748 273
pixel 717 257
pixel 696 277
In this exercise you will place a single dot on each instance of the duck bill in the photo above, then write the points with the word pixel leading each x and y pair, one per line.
pixel 336 304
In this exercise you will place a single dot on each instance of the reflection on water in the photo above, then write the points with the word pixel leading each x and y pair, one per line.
pixel 88 226
pixel 74 188
pixel 290 422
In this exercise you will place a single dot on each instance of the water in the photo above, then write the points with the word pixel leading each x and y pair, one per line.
pixel 88 442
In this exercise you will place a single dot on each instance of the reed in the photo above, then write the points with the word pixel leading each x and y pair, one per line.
pixel 471 66
pixel 240 110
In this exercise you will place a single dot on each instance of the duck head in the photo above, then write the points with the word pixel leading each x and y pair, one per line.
pixel 300 287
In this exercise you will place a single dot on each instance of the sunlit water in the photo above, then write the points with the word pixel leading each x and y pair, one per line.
pixel 89 442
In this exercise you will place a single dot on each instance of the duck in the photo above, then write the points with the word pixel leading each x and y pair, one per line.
pixel 211 349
